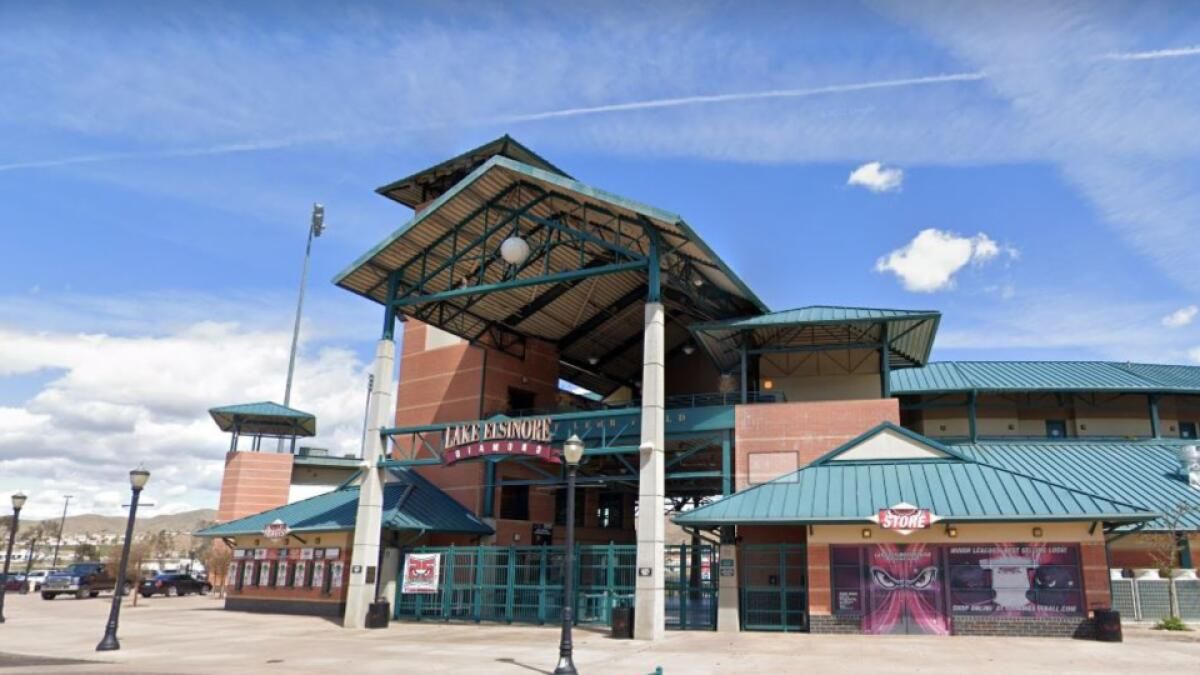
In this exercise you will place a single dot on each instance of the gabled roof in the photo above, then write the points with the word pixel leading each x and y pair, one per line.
pixel 409 503
pixel 1145 472
pixel 420 187
pixel 954 488
pixel 952 376
pixel 909 333
pixel 265 418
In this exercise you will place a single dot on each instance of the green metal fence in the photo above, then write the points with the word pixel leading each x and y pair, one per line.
pixel 691 586
pixel 521 584
pixel 774 588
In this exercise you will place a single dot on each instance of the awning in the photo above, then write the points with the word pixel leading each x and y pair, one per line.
pixel 266 419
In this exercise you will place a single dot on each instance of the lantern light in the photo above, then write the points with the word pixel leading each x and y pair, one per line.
pixel 18 501
pixel 514 250
pixel 573 450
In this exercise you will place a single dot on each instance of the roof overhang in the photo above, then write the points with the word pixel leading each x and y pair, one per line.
pixel 581 288
pixel 265 419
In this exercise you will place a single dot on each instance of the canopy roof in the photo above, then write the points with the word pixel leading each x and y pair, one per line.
pixel 908 333
pixel 414 190
pixel 955 376
pixel 839 489
pixel 409 503
pixel 264 419
pixel 1144 472
pixel 582 286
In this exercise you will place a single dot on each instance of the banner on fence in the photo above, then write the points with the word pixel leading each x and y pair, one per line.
pixel 421 572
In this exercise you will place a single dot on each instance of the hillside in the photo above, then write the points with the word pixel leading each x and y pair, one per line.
pixel 90 523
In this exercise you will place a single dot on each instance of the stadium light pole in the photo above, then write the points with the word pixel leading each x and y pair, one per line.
pixel 572 453
pixel 137 481
pixel 315 227
pixel 61 524
pixel 18 501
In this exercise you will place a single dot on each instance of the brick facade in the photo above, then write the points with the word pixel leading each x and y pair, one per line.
pixel 253 482
pixel 782 437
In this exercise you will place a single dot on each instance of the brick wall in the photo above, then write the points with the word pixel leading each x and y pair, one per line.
pixel 253 482
pixel 1096 589
pixel 781 437
pixel 1025 626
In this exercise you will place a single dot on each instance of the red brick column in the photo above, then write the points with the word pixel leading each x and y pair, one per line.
pixel 253 482
pixel 1096 588
pixel 819 582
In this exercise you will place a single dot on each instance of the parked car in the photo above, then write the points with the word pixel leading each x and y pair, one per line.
pixel 14 582
pixel 172 585
pixel 36 578
pixel 81 579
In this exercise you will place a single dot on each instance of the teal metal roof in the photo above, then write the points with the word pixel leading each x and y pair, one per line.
pixel 954 488
pixel 409 503
pixel 265 418
pixel 909 333
pixel 948 376
pixel 1144 472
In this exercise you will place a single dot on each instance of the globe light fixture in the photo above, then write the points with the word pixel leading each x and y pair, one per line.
pixel 18 501
pixel 138 478
pixel 573 450
pixel 514 250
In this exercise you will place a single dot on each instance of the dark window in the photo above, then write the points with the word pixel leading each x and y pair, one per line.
pixel 846 574
pixel 560 507
pixel 611 513
pixel 1187 429
pixel 1056 428
pixel 514 502
pixel 519 400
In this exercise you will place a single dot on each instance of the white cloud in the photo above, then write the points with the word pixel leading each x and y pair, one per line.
pixel 1180 317
pixel 929 262
pixel 1194 354
pixel 875 177
pixel 116 401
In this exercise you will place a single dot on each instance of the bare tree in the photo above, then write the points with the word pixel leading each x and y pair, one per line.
pixel 1164 546
pixel 216 560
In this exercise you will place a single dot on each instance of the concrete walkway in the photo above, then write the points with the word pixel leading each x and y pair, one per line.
pixel 194 635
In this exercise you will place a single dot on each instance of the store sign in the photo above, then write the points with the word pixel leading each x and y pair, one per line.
pixel 526 437
pixel 275 530
pixel 904 518
pixel 421 572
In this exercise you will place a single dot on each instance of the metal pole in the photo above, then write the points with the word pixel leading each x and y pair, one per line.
pixel 61 524
pixel 314 229
pixel 109 642
pixel 566 666
pixel 12 537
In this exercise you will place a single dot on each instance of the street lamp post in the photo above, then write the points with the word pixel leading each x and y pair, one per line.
pixel 61 524
pixel 572 453
pixel 18 501
pixel 137 481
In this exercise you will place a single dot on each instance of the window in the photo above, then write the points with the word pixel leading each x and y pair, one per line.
pixel 520 400
pixel 560 507
pixel 1187 430
pixel 611 514
pixel 514 502
pixel 1056 428
pixel 846 570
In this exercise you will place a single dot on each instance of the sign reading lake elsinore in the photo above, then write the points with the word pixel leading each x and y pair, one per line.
pixel 529 437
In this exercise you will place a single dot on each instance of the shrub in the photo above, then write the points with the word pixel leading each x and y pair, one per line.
pixel 1171 623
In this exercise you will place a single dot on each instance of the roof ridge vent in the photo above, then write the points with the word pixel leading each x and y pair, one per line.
pixel 1189 459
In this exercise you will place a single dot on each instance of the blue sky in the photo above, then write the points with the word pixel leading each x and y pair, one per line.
pixel 1035 182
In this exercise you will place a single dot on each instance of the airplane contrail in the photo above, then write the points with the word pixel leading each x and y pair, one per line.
pixel 649 104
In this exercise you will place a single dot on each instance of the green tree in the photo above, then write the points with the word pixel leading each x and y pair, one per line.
pixel 86 552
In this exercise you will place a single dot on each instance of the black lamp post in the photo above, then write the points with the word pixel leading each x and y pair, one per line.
pixel 572 453
pixel 18 501
pixel 137 481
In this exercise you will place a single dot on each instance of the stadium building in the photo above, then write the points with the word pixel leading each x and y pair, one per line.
pixel 745 469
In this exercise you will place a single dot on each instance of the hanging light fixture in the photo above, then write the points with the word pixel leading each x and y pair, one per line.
pixel 593 360
pixel 689 349
pixel 514 250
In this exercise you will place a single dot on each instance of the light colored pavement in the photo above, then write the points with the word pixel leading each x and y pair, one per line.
pixel 194 635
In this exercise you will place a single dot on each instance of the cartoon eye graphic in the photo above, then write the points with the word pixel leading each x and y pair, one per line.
pixel 883 579
pixel 924 578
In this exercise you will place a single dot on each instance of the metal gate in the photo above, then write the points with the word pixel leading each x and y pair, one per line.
pixel 691 586
pixel 521 584
pixel 774 587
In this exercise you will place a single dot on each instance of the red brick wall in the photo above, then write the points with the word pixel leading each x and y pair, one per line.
pixel 807 430
pixel 253 482
pixel 819 582
pixel 1096 588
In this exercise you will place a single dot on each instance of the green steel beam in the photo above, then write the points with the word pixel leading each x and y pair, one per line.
pixel 816 348
pixel 654 265
pixel 885 384
pixel 520 283
pixel 973 416
pixel 489 489
pixel 1155 424
pixel 726 464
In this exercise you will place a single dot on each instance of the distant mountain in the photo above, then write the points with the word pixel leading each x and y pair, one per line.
pixel 90 523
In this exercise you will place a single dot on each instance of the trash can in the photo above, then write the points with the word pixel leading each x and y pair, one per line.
pixel 1108 625
pixel 378 614
pixel 622 623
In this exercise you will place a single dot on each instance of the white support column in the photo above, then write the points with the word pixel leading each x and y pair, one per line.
pixel 650 600
pixel 728 620
pixel 369 521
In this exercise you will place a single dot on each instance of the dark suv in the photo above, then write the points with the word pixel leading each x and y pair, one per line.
pixel 82 579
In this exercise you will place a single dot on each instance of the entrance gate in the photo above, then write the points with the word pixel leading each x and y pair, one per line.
pixel 521 584
pixel 691 586
pixel 774 587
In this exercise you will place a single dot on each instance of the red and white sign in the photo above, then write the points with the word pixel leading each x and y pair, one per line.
pixel 275 530
pixel 527 437
pixel 904 518
pixel 421 572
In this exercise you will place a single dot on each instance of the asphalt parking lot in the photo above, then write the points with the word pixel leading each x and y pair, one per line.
pixel 194 635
